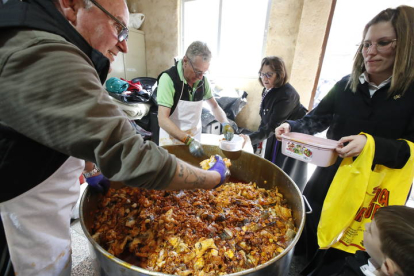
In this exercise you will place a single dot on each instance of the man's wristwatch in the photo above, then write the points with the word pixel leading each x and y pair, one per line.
pixel 92 172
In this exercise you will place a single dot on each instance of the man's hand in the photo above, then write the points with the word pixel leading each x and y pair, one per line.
pixel 195 147
pixel 228 131
pixel 221 168
pixel 98 183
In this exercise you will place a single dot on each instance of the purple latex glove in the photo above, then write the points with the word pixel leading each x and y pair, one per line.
pixel 99 183
pixel 221 168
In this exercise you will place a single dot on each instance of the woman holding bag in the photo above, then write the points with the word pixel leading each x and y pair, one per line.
pixel 378 99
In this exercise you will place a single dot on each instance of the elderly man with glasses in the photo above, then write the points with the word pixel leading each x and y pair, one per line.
pixel 180 94
pixel 55 113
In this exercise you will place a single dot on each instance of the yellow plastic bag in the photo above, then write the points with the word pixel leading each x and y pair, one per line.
pixel 356 193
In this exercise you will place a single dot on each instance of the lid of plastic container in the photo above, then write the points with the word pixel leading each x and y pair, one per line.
pixel 311 140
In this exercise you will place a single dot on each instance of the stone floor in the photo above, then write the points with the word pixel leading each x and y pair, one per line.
pixel 81 263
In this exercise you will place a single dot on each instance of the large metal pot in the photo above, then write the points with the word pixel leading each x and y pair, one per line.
pixel 248 167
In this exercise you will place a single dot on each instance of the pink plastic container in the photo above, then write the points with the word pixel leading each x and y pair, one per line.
pixel 311 149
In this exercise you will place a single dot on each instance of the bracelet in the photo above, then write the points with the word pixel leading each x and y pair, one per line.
pixel 187 140
pixel 92 172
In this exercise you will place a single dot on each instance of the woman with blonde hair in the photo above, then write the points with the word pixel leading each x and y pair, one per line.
pixel 378 99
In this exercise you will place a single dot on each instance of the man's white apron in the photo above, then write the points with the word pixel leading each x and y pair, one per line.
pixel 37 223
pixel 187 117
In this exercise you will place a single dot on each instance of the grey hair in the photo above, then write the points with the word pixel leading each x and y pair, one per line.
pixel 198 48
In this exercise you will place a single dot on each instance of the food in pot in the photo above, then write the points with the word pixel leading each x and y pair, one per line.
pixel 208 163
pixel 202 232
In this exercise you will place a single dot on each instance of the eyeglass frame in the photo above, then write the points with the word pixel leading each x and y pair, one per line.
pixel 123 34
pixel 262 75
pixel 366 49
pixel 199 73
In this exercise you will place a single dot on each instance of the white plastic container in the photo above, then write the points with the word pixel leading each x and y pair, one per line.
pixel 232 149
pixel 236 144
pixel 311 149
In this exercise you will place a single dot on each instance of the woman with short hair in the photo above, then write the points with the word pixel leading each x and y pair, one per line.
pixel 280 102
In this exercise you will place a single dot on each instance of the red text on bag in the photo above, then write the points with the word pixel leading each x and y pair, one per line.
pixel 380 199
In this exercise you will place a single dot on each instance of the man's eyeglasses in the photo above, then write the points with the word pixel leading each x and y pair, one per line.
pixel 267 75
pixel 122 29
pixel 196 72
pixel 382 45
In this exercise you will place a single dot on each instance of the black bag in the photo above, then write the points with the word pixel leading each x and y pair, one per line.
pixel 149 85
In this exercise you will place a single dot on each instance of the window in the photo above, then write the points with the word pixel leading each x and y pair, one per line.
pixel 235 31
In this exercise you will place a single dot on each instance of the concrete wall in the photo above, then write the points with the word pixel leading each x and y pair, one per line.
pixel 162 31
pixel 296 33
pixel 308 50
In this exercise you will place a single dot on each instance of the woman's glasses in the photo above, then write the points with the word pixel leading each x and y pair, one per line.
pixel 381 46
pixel 122 29
pixel 267 75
